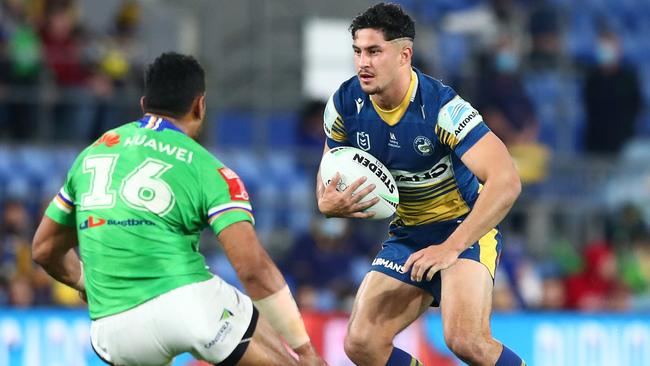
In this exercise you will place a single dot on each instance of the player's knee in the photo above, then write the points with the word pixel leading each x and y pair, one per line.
pixel 355 347
pixel 364 348
pixel 467 346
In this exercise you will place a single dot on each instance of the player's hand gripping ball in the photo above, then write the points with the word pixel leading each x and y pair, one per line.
pixel 352 163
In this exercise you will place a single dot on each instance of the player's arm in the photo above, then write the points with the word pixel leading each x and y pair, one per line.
pixel 461 128
pixel 53 249
pixel 265 285
pixel 490 161
pixel 228 211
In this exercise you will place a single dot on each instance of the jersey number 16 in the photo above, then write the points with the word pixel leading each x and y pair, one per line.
pixel 141 189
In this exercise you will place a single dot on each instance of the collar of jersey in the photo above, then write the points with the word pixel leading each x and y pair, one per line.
pixel 391 117
pixel 157 123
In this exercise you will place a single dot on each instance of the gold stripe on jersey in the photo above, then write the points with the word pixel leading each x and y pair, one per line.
pixel 338 130
pixel 488 250
pixel 391 117
pixel 442 203
pixel 446 138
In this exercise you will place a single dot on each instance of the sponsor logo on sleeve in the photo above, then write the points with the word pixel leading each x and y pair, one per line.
pixel 464 122
pixel 235 185
pixel 459 117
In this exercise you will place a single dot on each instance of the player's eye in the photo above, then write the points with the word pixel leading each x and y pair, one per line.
pixel 357 51
pixel 375 52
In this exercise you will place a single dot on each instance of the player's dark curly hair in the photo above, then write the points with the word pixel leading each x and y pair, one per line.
pixel 387 17
pixel 171 83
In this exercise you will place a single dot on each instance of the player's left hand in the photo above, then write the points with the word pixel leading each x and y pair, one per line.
pixel 430 260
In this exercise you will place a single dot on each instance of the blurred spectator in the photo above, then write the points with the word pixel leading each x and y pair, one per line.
pixel 324 258
pixel 21 294
pixel 553 293
pixel 641 256
pixel 545 38
pixel 64 45
pixel 20 69
pixel 16 268
pixel 517 266
pixel 598 287
pixel 508 110
pixel 311 136
pixel 307 298
pixel 15 234
pixel 625 225
pixel 612 98
pixel 503 298
pixel 503 102
pixel 118 59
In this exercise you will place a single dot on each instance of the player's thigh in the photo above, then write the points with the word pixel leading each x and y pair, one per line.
pixel 212 320
pixel 466 298
pixel 384 306
pixel 266 348
pixel 129 338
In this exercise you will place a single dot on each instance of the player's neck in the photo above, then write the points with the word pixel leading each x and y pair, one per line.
pixel 181 123
pixel 393 95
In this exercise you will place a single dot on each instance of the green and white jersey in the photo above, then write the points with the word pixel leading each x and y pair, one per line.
pixel 140 197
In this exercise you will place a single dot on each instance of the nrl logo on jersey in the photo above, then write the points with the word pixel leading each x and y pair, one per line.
pixel 363 141
pixel 423 146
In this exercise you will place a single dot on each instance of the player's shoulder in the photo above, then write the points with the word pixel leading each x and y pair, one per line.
pixel 346 98
pixel 434 92
pixel 205 156
pixel 457 117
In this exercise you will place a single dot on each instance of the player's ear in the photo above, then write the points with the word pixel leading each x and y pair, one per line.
pixel 142 103
pixel 198 107
pixel 406 54
pixel 203 106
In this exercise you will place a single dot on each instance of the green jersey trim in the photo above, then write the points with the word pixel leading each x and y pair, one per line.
pixel 229 218
pixel 61 209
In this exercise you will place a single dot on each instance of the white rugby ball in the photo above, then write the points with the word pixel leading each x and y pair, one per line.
pixel 352 163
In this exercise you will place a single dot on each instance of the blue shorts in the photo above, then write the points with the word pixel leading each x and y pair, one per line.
pixel 405 240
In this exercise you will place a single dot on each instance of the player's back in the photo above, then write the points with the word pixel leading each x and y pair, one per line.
pixel 140 208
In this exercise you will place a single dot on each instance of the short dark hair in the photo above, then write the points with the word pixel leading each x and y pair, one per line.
pixel 171 83
pixel 387 17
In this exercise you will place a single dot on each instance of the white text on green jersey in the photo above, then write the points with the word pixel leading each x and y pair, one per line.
pixel 145 141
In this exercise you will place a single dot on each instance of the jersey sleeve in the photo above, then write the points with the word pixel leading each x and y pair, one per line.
pixel 226 198
pixel 62 207
pixel 333 124
pixel 459 125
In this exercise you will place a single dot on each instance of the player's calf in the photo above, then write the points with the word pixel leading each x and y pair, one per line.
pixel 364 348
pixel 473 349
pixel 478 350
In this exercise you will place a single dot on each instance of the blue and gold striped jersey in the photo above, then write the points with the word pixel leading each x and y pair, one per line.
pixel 421 141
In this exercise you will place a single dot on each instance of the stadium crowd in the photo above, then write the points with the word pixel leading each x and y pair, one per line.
pixel 552 82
